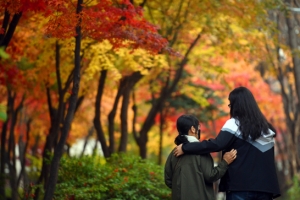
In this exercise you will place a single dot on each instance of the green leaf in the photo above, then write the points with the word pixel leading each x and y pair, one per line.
pixel 3 116
pixel 3 54
pixel 24 64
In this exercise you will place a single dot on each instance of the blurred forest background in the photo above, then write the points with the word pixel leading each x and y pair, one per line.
pixel 102 77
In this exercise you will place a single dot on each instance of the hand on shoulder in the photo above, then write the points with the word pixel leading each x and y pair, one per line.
pixel 178 150
pixel 230 156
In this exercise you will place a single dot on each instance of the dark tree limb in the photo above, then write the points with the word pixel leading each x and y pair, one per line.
pixel 90 133
pixel 97 118
pixel 11 29
pixel 23 153
pixel 4 24
pixel 69 117
pixel 165 93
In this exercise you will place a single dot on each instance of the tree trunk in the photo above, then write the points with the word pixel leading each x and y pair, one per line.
pixel 4 24
pixel 90 133
pixel 34 148
pixel 11 29
pixel 157 105
pixel 22 153
pixel 12 147
pixel 288 91
pixel 124 121
pixel 161 130
pixel 127 83
pixel 3 145
pixel 97 118
pixel 111 117
pixel 134 110
pixel 56 117
pixel 69 117
pixel 293 43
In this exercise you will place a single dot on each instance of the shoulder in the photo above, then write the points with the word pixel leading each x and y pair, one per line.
pixel 272 130
pixel 206 158
pixel 231 124
pixel 271 134
pixel 171 156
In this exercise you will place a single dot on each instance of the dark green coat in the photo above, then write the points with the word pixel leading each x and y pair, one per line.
pixel 191 176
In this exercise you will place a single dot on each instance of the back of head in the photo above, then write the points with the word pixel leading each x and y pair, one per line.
pixel 244 108
pixel 183 125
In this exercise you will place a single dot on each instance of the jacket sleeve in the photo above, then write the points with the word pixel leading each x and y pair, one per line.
pixel 168 172
pixel 221 142
pixel 225 138
pixel 211 173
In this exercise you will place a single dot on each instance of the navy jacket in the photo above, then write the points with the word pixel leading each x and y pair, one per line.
pixel 254 168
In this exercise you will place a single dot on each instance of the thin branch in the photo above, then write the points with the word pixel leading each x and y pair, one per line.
pixel 57 66
pixel 4 24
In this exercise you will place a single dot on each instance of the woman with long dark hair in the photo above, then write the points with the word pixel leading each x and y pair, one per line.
pixel 253 174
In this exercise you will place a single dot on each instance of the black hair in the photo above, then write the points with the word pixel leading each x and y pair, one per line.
pixel 183 125
pixel 244 108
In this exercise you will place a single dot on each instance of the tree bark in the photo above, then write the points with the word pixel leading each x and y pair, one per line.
pixel 56 117
pixel 165 93
pixel 111 117
pixel 90 133
pixel 288 91
pixel 69 117
pixel 23 153
pixel 12 147
pixel 292 29
pixel 161 131
pixel 124 121
pixel 127 83
pixel 293 43
pixel 97 118
pixel 4 24
pixel 125 86
pixel 11 29
pixel 3 145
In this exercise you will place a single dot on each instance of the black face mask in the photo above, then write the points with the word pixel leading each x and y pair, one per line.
pixel 198 133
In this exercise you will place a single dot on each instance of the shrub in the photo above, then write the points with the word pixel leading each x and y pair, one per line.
pixel 121 177
pixel 294 191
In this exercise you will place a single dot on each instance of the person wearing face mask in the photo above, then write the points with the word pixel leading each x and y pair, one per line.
pixel 191 176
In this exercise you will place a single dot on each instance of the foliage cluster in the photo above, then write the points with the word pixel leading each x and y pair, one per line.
pixel 294 191
pixel 122 176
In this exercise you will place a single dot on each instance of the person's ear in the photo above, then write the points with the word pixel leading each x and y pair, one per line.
pixel 193 129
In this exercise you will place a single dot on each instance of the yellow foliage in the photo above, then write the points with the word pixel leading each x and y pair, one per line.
pixel 120 62
pixel 196 94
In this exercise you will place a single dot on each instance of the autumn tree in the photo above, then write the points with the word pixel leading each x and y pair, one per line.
pixel 126 21
pixel 281 68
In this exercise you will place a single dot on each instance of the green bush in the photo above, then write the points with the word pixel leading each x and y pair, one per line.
pixel 120 177
pixel 294 191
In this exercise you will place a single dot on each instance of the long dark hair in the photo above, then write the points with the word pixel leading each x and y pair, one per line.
pixel 183 125
pixel 244 108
